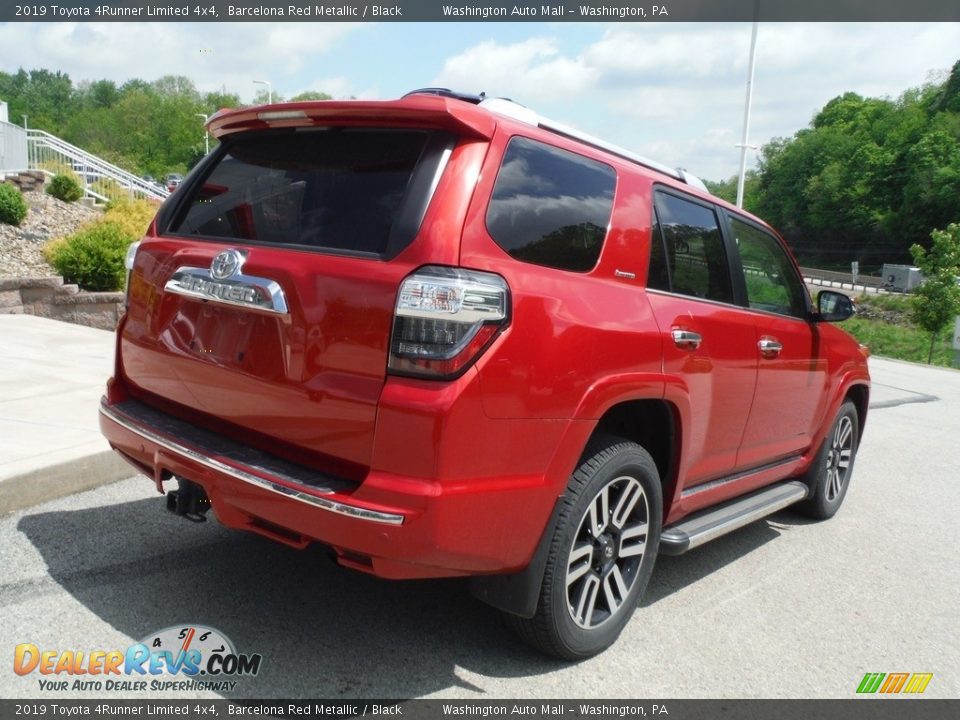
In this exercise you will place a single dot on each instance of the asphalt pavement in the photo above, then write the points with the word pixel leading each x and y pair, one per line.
pixel 785 607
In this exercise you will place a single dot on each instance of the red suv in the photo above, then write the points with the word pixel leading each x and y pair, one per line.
pixel 445 336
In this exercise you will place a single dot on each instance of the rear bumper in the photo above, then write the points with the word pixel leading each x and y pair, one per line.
pixel 390 526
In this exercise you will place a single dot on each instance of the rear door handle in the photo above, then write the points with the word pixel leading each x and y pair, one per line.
pixel 686 339
pixel 770 347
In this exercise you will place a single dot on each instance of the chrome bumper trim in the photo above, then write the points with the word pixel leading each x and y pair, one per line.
pixel 239 474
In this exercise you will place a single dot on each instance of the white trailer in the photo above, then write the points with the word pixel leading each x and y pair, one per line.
pixel 901 278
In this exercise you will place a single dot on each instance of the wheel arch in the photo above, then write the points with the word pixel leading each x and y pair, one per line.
pixel 652 423
pixel 655 425
pixel 859 394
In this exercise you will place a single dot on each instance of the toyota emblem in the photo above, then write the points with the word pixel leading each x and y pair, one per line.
pixel 226 264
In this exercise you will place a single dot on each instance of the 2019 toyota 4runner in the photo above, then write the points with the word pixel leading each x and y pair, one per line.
pixel 445 336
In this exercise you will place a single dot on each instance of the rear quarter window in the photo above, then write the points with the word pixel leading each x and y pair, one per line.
pixel 343 189
pixel 551 207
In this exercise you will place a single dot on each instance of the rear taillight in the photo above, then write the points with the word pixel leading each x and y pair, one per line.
pixel 128 262
pixel 444 319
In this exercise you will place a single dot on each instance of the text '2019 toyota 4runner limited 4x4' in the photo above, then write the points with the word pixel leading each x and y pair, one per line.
pixel 445 336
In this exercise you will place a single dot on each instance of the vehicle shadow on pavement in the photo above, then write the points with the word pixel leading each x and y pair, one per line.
pixel 323 631
pixel 674 573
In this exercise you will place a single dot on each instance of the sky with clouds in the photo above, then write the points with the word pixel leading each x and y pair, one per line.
pixel 673 92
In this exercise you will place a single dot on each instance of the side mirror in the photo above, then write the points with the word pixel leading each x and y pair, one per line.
pixel 833 306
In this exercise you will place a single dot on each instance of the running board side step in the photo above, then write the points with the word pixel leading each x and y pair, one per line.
pixel 712 523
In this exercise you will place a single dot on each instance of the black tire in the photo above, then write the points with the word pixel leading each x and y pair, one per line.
pixel 596 572
pixel 829 475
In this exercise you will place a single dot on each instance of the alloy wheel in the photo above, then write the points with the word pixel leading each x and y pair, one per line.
pixel 607 551
pixel 838 458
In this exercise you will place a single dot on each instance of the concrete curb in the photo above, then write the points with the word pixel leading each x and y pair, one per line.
pixel 66 478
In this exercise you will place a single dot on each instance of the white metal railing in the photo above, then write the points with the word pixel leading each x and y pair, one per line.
pixel 100 179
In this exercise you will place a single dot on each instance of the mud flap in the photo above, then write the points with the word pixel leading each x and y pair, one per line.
pixel 518 593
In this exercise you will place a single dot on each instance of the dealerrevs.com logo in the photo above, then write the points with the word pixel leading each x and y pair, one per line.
pixel 181 657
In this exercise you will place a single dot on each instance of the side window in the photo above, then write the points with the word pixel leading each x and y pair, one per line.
pixel 551 207
pixel 772 284
pixel 691 259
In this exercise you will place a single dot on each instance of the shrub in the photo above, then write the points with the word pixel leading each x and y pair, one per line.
pixel 51 248
pixel 93 257
pixel 65 187
pixel 13 208
pixel 132 215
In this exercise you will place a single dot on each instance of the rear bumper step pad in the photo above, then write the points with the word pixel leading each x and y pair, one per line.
pixel 239 461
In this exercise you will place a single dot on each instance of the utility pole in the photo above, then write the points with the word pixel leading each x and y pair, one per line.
pixel 269 89
pixel 746 110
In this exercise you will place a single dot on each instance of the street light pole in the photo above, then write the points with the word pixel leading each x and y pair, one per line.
pixel 746 113
pixel 206 134
pixel 269 89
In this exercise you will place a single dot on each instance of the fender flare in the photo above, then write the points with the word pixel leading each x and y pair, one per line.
pixel 518 593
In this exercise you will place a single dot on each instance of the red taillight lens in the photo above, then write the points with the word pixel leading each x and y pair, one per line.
pixel 444 319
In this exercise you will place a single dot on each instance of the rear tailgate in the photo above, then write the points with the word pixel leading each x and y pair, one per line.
pixel 262 304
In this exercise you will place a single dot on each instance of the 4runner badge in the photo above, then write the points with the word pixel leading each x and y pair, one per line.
pixel 223 283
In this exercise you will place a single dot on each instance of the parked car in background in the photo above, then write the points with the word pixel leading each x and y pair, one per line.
pixel 446 336
pixel 172 181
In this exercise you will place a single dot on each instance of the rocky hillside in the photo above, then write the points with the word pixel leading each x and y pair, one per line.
pixel 48 218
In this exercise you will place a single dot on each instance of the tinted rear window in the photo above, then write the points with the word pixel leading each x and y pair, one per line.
pixel 551 207
pixel 340 189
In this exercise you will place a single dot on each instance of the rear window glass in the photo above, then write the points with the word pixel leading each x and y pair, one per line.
pixel 551 207
pixel 339 188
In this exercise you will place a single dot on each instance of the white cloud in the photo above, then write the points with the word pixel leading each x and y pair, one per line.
pixel 533 69
pixel 212 55
pixel 676 92
pixel 635 53
pixel 659 89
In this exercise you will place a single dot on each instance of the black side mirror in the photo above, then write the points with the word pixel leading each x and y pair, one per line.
pixel 834 307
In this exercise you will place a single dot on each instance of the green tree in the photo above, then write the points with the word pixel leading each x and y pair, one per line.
pixel 98 94
pixel 868 178
pixel 263 96
pixel 214 101
pixel 311 95
pixel 46 97
pixel 948 98
pixel 176 86
pixel 937 301
pixel 727 189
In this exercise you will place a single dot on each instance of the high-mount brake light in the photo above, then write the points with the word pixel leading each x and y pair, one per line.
pixel 269 115
pixel 444 319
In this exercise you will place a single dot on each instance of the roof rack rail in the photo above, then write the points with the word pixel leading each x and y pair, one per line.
pixel 574 134
pixel 448 93
pixel 505 106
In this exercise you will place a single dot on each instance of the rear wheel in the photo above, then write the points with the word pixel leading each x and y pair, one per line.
pixel 601 554
pixel 829 476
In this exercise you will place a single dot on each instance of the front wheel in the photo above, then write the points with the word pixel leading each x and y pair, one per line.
pixel 601 554
pixel 829 475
